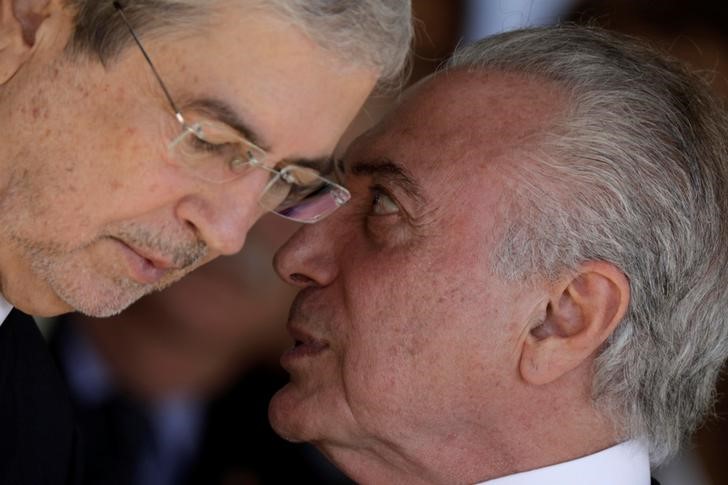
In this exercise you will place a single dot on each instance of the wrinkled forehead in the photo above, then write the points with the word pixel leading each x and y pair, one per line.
pixel 466 116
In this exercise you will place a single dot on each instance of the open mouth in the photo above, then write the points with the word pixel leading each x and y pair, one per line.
pixel 310 344
pixel 304 346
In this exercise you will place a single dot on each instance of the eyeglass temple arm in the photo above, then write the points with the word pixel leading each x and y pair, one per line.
pixel 177 113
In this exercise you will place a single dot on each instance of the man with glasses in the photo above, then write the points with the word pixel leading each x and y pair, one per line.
pixel 143 138
pixel 529 283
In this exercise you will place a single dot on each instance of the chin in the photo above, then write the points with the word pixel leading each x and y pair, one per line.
pixel 284 416
pixel 103 301
pixel 311 414
pixel 300 417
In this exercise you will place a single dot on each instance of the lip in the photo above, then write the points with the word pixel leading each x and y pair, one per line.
pixel 144 267
pixel 305 346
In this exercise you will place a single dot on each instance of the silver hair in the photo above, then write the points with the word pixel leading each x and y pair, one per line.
pixel 373 34
pixel 633 172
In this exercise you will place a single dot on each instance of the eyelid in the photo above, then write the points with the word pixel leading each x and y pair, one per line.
pixel 227 134
pixel 219 111
pixel 204 144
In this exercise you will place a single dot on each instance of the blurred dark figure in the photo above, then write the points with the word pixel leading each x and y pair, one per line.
pixel 695 32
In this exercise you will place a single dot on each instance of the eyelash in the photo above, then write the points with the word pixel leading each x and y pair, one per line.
pixel 207 147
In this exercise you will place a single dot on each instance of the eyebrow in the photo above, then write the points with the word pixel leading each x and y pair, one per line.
pixel 223 112
pixel 388 169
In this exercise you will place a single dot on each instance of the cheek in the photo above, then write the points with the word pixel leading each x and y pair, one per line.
pixel 392 349
pixel 423 322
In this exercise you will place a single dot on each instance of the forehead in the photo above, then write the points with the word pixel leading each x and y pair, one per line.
pixel 487 112
pixel 270 72
pixel 460 128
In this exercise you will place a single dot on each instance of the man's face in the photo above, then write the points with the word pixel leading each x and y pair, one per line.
pixel 403 331
pixel 95 211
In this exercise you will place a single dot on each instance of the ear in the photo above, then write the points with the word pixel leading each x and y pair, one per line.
pixel 582 312
pixel 19 24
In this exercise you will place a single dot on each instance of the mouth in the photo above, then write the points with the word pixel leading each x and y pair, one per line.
pixel 145 267
pixel 305 346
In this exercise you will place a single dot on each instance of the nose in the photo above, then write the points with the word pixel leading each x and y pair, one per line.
pixel 309 257
pixel 222 214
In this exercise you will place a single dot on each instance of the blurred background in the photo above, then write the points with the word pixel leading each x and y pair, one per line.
pixel 176 389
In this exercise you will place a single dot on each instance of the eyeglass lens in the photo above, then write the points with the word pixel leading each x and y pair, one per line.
pixel 294 192
pixel 288 197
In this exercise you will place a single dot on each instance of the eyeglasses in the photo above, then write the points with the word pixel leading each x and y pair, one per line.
pixel 214 152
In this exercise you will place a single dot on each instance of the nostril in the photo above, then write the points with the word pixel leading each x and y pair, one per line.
pixel 299 278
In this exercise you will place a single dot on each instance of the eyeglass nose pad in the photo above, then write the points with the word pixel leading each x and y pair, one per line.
pixel 237 163
pixel 287 176
pixel 241 161
pixel 299 175
pixel 252 159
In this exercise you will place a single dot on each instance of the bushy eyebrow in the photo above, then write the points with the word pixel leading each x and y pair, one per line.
pixel 387 169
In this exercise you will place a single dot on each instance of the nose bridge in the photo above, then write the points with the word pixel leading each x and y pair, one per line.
pixel 310 257
pixel 222 214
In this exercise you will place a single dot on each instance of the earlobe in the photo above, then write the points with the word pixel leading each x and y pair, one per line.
pixel 581 314
pixel 19 23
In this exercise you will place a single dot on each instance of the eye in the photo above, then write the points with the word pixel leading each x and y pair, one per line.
pixel 202 145
pixel 382 203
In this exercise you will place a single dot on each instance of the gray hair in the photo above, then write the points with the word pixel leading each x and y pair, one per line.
pixel 634 172
pixel 373 34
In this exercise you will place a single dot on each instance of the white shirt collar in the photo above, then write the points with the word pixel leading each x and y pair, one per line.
pixel 627 464
pixel 5 309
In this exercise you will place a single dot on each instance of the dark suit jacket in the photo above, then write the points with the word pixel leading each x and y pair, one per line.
pixel 38 442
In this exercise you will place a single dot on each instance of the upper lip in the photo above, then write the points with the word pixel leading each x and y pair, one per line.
pixel 298 318
pixel 157 261
pixel 301 336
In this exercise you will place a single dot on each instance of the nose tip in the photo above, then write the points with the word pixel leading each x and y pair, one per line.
pixel 307 258
pixel 222 214
pixel 228 244
pixel 223 230
pixel 284 265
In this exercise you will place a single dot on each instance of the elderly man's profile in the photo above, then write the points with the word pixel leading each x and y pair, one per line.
pixel 529 283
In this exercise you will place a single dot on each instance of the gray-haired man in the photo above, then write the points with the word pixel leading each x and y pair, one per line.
pixel 529 285
pixel 142 139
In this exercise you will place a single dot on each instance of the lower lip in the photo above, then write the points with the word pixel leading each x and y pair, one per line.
pixel 142 270
pixel 302 351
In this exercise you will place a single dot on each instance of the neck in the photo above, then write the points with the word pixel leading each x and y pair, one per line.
pixel 557 426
